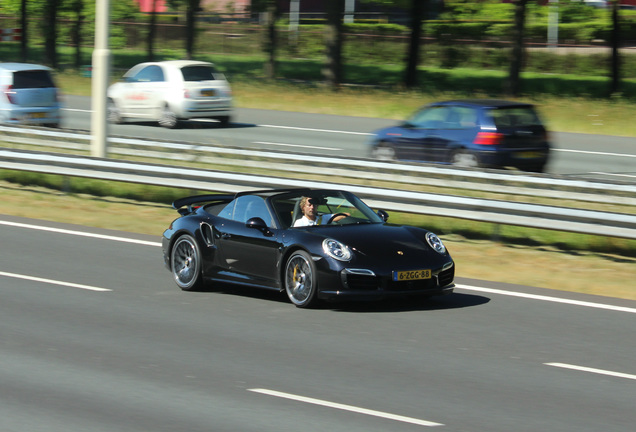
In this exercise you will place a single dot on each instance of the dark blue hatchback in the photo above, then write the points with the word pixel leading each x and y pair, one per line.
pixel 469 133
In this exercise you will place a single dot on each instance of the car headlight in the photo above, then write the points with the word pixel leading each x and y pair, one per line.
pixel 336 250
pixel 436 243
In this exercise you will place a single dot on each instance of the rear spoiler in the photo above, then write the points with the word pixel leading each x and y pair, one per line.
pixel 188 202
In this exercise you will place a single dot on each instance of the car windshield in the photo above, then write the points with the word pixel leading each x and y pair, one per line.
pixel 327 204
pixel 200 73
pixel 515 117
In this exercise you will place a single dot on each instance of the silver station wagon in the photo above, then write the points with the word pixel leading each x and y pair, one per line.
pixel 169 92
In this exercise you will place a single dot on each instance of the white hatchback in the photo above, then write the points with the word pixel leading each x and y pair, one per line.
pixel 170 91
pixel 28 95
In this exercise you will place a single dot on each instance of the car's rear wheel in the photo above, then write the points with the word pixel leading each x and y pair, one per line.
pixel 168 118
pixel 224 120
pixel 185 263
pixel 536 169
pixel 300 279
pixel 383 151
pixel 464 158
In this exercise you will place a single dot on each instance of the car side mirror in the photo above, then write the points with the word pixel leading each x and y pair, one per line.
pixel 384 215
pixel 259 224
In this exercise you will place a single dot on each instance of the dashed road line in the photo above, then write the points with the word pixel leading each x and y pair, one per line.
pixel 54 282
pixel 592 370
pixel 343 407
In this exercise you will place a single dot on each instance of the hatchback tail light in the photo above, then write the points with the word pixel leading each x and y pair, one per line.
pixel 488 138
pixel 186 94
pixel 8 91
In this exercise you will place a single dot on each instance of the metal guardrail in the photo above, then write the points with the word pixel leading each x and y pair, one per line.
pixel 348 170
pixel 500 212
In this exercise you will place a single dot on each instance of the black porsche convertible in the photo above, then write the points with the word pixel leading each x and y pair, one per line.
pixel 260 239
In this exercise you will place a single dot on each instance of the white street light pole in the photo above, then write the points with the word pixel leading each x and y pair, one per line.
pixel 553 24
pixel 350 6
pixel 294 18
pixel 100 76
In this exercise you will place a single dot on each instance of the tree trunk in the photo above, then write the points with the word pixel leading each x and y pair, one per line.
pixel 270 42
pixel 50 33
pixel 513 86
pixel 615 72
pixel 78 7
pixel 193 8
pixel 152 30
pixel 332 72
pixel 24 24
pixel 413 54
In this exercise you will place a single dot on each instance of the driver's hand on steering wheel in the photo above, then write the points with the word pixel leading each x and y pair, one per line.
pixel 338 216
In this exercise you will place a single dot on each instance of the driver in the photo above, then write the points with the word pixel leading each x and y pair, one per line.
pixel 309 209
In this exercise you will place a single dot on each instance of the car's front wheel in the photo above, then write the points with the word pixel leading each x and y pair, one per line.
pixel 300 279
pixel 113 113
pixel 185 263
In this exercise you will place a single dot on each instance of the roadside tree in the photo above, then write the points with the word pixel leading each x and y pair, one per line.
pixel 334 37
pixel 192 7
pixel 152 30
pixel 272 11
pixel 615 82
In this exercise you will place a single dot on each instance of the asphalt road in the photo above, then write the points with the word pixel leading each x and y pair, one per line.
pixel 96 337
pixel 575 155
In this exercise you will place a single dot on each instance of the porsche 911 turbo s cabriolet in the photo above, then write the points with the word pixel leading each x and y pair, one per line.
pixel 259 239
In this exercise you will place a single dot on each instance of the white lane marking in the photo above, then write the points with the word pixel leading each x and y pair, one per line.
pixel 597 153
pixel 80 233
pixel 315 130
pixel 297 145
pixel 54 282
pixel 548 298
pixel 592 370
pixel 345 407
pixel 460 286
pixel 614 174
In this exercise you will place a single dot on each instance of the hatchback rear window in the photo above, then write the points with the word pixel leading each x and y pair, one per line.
pixel 515 117
pixel 200 73
pixel 32 79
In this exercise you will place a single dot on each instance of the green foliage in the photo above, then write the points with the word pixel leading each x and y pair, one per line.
pixel 499 31
pixel 472 10
pixel 67 14
pixel 375 29
pixel 473 30
pixel 577 12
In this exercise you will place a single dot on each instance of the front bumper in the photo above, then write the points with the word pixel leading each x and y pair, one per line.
pixel 366 284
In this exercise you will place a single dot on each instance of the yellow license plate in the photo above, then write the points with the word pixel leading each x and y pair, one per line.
pixel 36 115
pixel 528 155
pixel 208 92
pixel 411 275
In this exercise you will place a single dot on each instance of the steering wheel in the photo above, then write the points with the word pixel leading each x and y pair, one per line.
pixel 335 216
